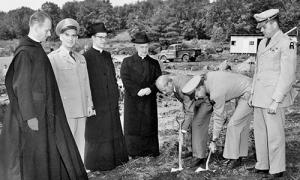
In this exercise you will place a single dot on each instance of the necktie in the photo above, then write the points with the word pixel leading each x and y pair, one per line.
pixel 72 56
pixel 268 40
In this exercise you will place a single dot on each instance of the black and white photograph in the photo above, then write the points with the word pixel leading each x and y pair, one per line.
pixel 149 90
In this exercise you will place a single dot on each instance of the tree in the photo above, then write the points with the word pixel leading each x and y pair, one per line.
pixel 218 34
pixel 16 22
pixel 54 11
pixel 70 9
pixel 4 31
pixel 92 11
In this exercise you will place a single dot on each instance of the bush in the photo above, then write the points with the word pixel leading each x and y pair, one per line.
pixel 154 48
pixel 172 34
pixel 210 50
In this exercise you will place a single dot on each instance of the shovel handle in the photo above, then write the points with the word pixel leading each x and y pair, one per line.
pixel 207 161
pixel 180 146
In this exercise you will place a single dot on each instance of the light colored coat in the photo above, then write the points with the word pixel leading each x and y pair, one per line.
pixel 274 76
pixel 275 72
pixel 73 82
pixel 223 87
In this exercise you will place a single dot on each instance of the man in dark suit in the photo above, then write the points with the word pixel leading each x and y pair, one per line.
pixel 37 143
pixel 197 113
pixel 138 73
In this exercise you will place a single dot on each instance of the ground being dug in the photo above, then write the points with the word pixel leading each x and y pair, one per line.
pixel 160 167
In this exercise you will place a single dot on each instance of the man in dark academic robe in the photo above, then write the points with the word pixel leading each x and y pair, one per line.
pixel 36 143
pixel 105 144
pixel 138 73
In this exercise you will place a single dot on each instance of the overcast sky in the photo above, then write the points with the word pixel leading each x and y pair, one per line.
pixel 36 4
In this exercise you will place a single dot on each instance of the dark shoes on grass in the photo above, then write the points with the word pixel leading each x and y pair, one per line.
pixel 196 162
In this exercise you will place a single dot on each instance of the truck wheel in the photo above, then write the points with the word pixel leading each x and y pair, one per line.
pixel 185 58
pixel 163 59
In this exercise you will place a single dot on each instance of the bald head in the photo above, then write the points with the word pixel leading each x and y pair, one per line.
pixel 164 84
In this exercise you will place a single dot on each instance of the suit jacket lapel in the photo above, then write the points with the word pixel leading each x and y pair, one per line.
pixel 273 41
pixel 65 55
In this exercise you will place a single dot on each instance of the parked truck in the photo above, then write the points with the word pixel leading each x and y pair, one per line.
pixel 176 52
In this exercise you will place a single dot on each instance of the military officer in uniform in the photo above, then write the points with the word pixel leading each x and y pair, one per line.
pixel 221 87
pixel 271 93
pixel 73 82
pixel 196 113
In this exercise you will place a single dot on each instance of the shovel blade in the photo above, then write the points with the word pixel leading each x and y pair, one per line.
pixel 176 169
pixel 199 169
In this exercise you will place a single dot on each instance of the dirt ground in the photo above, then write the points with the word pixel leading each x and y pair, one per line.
pixel 160 167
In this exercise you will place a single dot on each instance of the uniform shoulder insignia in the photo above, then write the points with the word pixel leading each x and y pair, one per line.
pixel 292 45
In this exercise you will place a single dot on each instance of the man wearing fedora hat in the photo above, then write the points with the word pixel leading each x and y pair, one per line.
pixel 139 73
pixel 105 143
pixel 271 93
pixel 73 82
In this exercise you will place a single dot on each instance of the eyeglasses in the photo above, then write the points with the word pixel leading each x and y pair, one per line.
pixel 101 37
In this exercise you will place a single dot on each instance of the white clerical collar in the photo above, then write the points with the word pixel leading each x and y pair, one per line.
pixel 34 39
pixel 143 57
pixel 98 49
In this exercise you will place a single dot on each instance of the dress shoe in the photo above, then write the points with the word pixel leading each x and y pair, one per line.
pixel 258 171
pixel 197 162
pixel 276 176
pixel 233 163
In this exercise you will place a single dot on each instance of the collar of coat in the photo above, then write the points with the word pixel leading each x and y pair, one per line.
pixel 137 57
pixel 274 40
pixel 97 49
pixel 65 54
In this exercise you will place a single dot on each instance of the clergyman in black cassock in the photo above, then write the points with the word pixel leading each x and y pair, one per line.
pixel 36 142
pixel 105 144
pixel 139 73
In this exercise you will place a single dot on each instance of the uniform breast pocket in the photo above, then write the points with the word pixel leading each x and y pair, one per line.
pixel 274 52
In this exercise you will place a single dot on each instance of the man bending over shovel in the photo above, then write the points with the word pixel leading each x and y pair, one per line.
pixel 220 87
pixel 196 112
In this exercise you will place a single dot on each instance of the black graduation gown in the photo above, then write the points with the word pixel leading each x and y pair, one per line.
pixel 105 144
pixel 140 113
pixel 49 153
